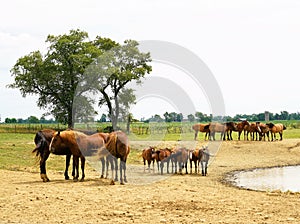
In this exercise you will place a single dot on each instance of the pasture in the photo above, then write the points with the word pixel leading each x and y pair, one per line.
pixel 174 199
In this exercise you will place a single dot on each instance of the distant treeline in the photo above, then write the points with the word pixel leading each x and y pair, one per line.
pixel 174 117
pixel 201 117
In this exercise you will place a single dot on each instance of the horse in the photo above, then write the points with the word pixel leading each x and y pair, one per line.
pixel 217 127
pixel 162 156
pixel 79 144
pixel 230 127
pixel 194 157
pixel 118 146
pixel 202 128
pixel 204 156
pixel 265 130
pixel 149 156
pixel 276 128
pixel 253 129
pixel 180 156
pixel 42 141
pixel 242 126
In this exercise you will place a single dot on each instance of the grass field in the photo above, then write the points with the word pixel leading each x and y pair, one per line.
pixel 16 149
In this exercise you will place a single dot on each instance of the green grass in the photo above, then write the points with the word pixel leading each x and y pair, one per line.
pixel 16 149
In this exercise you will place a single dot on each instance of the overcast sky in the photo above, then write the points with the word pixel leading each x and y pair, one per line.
pixel 252 47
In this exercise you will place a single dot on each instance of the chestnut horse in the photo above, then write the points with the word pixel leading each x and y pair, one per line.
pixel 162 156
pixel 202 128
pixel 194 157
pixel 79 144
pixel 242 126
pixel 276 128
pixel 253 129
pixel 118 146
pixel 230 127
pixel 149 156
pixel 265 130
pixel 42 141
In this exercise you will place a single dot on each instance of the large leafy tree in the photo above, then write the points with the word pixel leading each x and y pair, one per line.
pixel 55 76
pixel 113 70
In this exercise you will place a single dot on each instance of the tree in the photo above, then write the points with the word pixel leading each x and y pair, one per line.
pixel 58 77
pixel 113 70
pixel 191 118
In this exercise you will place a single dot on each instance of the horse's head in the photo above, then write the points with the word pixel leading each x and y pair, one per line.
pixel 56 142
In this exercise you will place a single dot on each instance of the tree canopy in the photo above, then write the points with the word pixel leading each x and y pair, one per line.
pixel 55 75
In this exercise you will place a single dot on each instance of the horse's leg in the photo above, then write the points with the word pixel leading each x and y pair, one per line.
pixel 121 170
pixel 149 163
pixel 186 169
pixel 168 163
pixel 44 157
pixel 205 171
pixel 280 133
pixel 157 165
pixel 68 158
pixel 102 160
pixel 75 167
pixel 82 159
pixel 196 134
pixel 124 169
pixel 144 164
pixel 191 166
pixel 195 163
pixel 202 168
pixel 161 167
pixel 116 168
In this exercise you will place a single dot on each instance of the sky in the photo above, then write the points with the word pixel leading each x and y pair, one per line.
pixel 251 47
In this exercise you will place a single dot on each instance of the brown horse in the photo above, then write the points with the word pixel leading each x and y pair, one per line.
pixel 253 129
pixel 276 128
pixel 217 127
pixel 180 157
pixel 42 141
pixel 79 144
pixel 202 128
pixel 265 130
pixel 118 146
pixel 194 157
pixel 242 126
pixel 149 156
pixel 204 156
pixel 230 127
pixel 162 156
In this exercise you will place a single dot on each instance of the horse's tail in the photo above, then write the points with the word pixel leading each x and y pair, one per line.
pixel 284 127
pixel 40 143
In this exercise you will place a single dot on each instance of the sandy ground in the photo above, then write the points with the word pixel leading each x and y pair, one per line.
pixel 24 198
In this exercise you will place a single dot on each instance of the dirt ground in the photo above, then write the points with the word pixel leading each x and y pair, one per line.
pixel 24 198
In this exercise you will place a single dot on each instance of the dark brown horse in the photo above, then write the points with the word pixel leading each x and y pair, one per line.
pixel 42 141
pixel 162 156
pixel 149 156
pixel 204 156
pixel 79 144
pixel 118 146
pixel 202 128
pixel 276 128
pixel 230 127
pixel 180 157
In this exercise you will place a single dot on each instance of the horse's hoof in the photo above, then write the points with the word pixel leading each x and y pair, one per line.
pixel 116 179
pixel 112 182
pixel 82 179
pixel 102 176
pixel 122 183
pixel 67 178
pixel 125 180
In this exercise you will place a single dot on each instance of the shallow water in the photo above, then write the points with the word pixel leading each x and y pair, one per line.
pixel 269 179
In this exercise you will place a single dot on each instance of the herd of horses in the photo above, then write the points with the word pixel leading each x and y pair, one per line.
pixel 108 148
pixel 257 130
pixel 177 157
